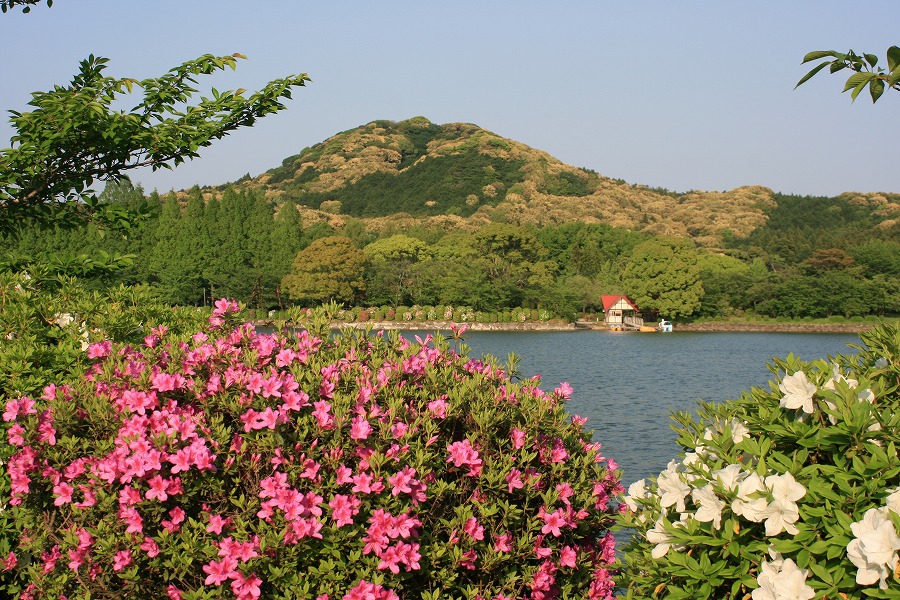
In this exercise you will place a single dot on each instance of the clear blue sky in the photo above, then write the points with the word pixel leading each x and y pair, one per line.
pixel 682 95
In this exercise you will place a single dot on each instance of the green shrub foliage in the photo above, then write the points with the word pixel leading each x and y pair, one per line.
pixel 230 463
pixel 789 492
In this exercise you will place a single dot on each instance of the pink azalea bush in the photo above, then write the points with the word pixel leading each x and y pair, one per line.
pixel 229 463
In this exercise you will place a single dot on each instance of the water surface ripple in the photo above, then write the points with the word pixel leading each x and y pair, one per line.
pixel 627 384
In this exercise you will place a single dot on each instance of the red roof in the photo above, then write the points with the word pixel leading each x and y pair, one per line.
pixel 610 301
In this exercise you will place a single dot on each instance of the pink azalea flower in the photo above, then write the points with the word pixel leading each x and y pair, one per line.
pixel 401 481
pixel 90 497
pixel 399 429
pixel 475 531
pixel 15 435
pixel 343 509
pixel 99 349
pixel 219 571
pixel 285 357
pixel 176 518
pixel 559 453
pixel 166 382
pixel 49 559
pixel 518 438
pixel 132 518
pixel 502 543
pixel 553 521
pixel 369 591
pixel 294 400
pixel 121 559
pixel 463 454
pixel 438 408
pixel 343 475
pixel 568 556
pixel 182 459
pixel 217 523
pixel 158 489
pixel 468 560
pixel 360 428
pixel 514 480
pixel 564 390
pixel 150 547
pixel 322 414
pixel 63 493
pixel 10 562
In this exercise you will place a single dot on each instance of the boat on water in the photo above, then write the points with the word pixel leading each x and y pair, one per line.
pixel 665 326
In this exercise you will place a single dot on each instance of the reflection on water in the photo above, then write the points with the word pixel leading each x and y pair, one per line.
pixel 627 384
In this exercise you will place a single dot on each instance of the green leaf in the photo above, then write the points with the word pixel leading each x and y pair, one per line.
pixel 857 79
pixel 817 54
pixel 811 74
pixel 860 80
pixel 893 58
pixel 876 89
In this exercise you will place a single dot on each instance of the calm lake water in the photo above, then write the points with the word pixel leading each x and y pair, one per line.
pixel 627 384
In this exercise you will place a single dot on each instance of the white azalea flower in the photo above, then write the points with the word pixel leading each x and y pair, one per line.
pixel 874 550
pixel 785 488
pixel 782 511
pixel 691 458
pixel 730 477
pixel 782 580
pixel 750 503
pixel 798 392
pixel 658 536
pixel 739 431
pixel 663 540
pixel 638 489
pixel 63 319
pixel 672 489
pixel 838 376
pixel 710 506
pixel 893 501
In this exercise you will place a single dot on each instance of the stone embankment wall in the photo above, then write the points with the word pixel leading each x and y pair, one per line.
pixel 777 327
pixel 445 326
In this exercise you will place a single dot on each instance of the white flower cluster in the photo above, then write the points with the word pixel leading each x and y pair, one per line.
pixel 65 319
pixel 695 491
pixel 781 579
pixel 799 392
pixel 772 499
pixel 874 548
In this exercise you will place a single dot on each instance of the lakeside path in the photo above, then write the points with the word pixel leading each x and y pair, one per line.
pixel 592 325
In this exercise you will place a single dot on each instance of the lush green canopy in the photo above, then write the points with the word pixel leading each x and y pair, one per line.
pixel 74 136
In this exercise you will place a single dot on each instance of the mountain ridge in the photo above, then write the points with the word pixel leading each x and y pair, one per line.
pixel 460 175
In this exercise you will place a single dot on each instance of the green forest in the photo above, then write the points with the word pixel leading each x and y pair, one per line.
pixel 815 257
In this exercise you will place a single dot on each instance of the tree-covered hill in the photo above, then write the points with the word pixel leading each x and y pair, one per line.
pixel 461 176
pixel 427 171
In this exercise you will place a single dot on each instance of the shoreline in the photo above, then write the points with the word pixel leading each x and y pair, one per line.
pixel 711 327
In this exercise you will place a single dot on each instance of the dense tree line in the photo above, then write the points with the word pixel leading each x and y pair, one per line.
pixel 236 243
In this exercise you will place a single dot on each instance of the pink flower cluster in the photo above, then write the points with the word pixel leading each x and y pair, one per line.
pixel 247 449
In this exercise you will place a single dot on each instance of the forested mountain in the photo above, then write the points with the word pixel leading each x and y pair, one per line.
pixel 465 175
pixel 414 213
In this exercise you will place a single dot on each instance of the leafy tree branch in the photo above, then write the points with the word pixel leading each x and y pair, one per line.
pixel 74 135
pixel 867 73
pixel 26 5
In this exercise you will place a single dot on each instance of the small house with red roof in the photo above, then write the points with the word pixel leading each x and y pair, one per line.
pixel 621 312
